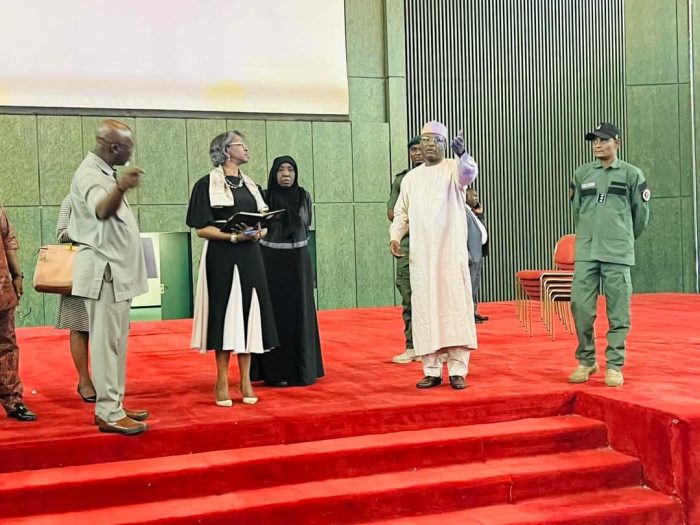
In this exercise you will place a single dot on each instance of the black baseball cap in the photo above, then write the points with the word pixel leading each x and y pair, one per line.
pixel 604 130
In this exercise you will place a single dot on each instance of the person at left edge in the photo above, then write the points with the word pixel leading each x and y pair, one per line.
pixel 11 290
pixel 109 268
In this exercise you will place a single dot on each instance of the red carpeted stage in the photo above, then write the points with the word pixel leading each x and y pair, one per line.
pixel 519 446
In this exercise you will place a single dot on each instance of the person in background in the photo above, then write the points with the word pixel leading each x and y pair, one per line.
pixel 432 201
pixel 476 242
pixel 233 312
pixel 109 268
pixel 403 274
pixel 610 205
pixel 290 278
pixel 72 315
pixel 11 290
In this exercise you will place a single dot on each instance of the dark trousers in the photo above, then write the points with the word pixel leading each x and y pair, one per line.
pixel 475 274
pixel 403 283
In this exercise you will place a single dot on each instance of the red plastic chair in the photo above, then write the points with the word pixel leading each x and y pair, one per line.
pixel 531 285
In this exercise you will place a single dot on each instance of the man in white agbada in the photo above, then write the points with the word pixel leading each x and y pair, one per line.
pixel 431 205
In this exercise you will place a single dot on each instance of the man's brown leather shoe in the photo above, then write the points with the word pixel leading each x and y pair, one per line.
pixel 125 426
pixel 137 415
pixel 429 382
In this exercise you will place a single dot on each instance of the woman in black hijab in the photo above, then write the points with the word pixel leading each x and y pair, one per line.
pixel 297 361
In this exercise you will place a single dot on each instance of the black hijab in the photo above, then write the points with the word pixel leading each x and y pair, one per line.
pixel 290 199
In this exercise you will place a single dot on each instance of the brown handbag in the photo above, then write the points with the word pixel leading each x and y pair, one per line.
pixel 54 269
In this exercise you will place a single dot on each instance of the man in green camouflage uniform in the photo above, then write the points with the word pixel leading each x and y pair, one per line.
pixel 403 280
pixel 610 205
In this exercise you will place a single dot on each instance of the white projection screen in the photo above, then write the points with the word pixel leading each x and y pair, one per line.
pixel 248 56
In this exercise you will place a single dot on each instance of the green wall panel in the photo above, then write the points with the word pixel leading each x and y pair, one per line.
pixel 256 140
pixel 332 147
pixel 335 256
pixel 652 136
pixel 26 221
pixel 395 38
pixel 683 48
pixel 375 268
pixel 200 133
pixel 398 130
pixel 163 218
pixel 370 163
pixel 688 240
pixel 367 99
pixel 49 217
pixel 685 138
pixel 658 252
pixel 294 139
pixel 19 173
pixel 364 26
pixel 162 144
pixel 60 154
pixel 651 55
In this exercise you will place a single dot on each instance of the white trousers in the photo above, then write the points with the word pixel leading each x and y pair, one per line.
pixel 457 362
pixel 109 332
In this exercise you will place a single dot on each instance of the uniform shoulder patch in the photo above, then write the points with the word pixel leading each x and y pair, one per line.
pixel 646 194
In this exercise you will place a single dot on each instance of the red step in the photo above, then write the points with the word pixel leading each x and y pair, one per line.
pixel 623 506
pixel 379 496
pixel 154 479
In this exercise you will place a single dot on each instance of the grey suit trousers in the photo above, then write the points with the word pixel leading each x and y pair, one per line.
pixel 475 274
pixel 109 332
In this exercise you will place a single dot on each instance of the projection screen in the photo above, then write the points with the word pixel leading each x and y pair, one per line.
pixel 251 56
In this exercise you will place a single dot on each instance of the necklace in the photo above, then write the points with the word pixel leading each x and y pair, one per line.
pixel 231 184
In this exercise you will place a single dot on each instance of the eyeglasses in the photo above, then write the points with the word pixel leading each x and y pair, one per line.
pixel 437 139
pixel 242 144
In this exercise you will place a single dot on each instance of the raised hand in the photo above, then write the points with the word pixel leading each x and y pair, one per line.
pixel 457 144
pixel 129 178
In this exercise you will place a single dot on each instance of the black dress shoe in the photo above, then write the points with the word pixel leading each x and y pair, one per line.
pixel 480 318
pixel 429 382
pixel 477 320
pixel 277 383
pixel 87 399
pixel 20 412
pixel 458 382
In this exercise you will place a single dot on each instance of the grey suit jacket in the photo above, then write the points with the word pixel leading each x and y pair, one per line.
pixel 474 245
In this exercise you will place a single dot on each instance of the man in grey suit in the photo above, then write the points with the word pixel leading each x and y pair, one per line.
pixel 477 237
pixel 109 268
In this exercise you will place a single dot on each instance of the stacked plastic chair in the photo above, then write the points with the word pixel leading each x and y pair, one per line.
pixel 549 288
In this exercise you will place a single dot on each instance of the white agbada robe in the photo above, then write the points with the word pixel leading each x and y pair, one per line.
pixel 431 205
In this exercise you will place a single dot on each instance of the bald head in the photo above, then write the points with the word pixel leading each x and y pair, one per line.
pixel 114 142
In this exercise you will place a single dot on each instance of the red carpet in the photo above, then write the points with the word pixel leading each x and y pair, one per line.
pixel 519 446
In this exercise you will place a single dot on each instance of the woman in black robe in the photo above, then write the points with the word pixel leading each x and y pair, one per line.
pixel 290 277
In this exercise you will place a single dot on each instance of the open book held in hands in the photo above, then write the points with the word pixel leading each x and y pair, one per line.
pixel 248 220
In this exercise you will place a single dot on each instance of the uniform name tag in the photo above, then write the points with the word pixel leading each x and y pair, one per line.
pixel 601 198
pixel 588 185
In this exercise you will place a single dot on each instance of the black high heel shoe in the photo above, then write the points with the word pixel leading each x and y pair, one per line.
pixel 88 399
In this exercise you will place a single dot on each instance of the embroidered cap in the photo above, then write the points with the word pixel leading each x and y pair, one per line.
pixel 435 127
